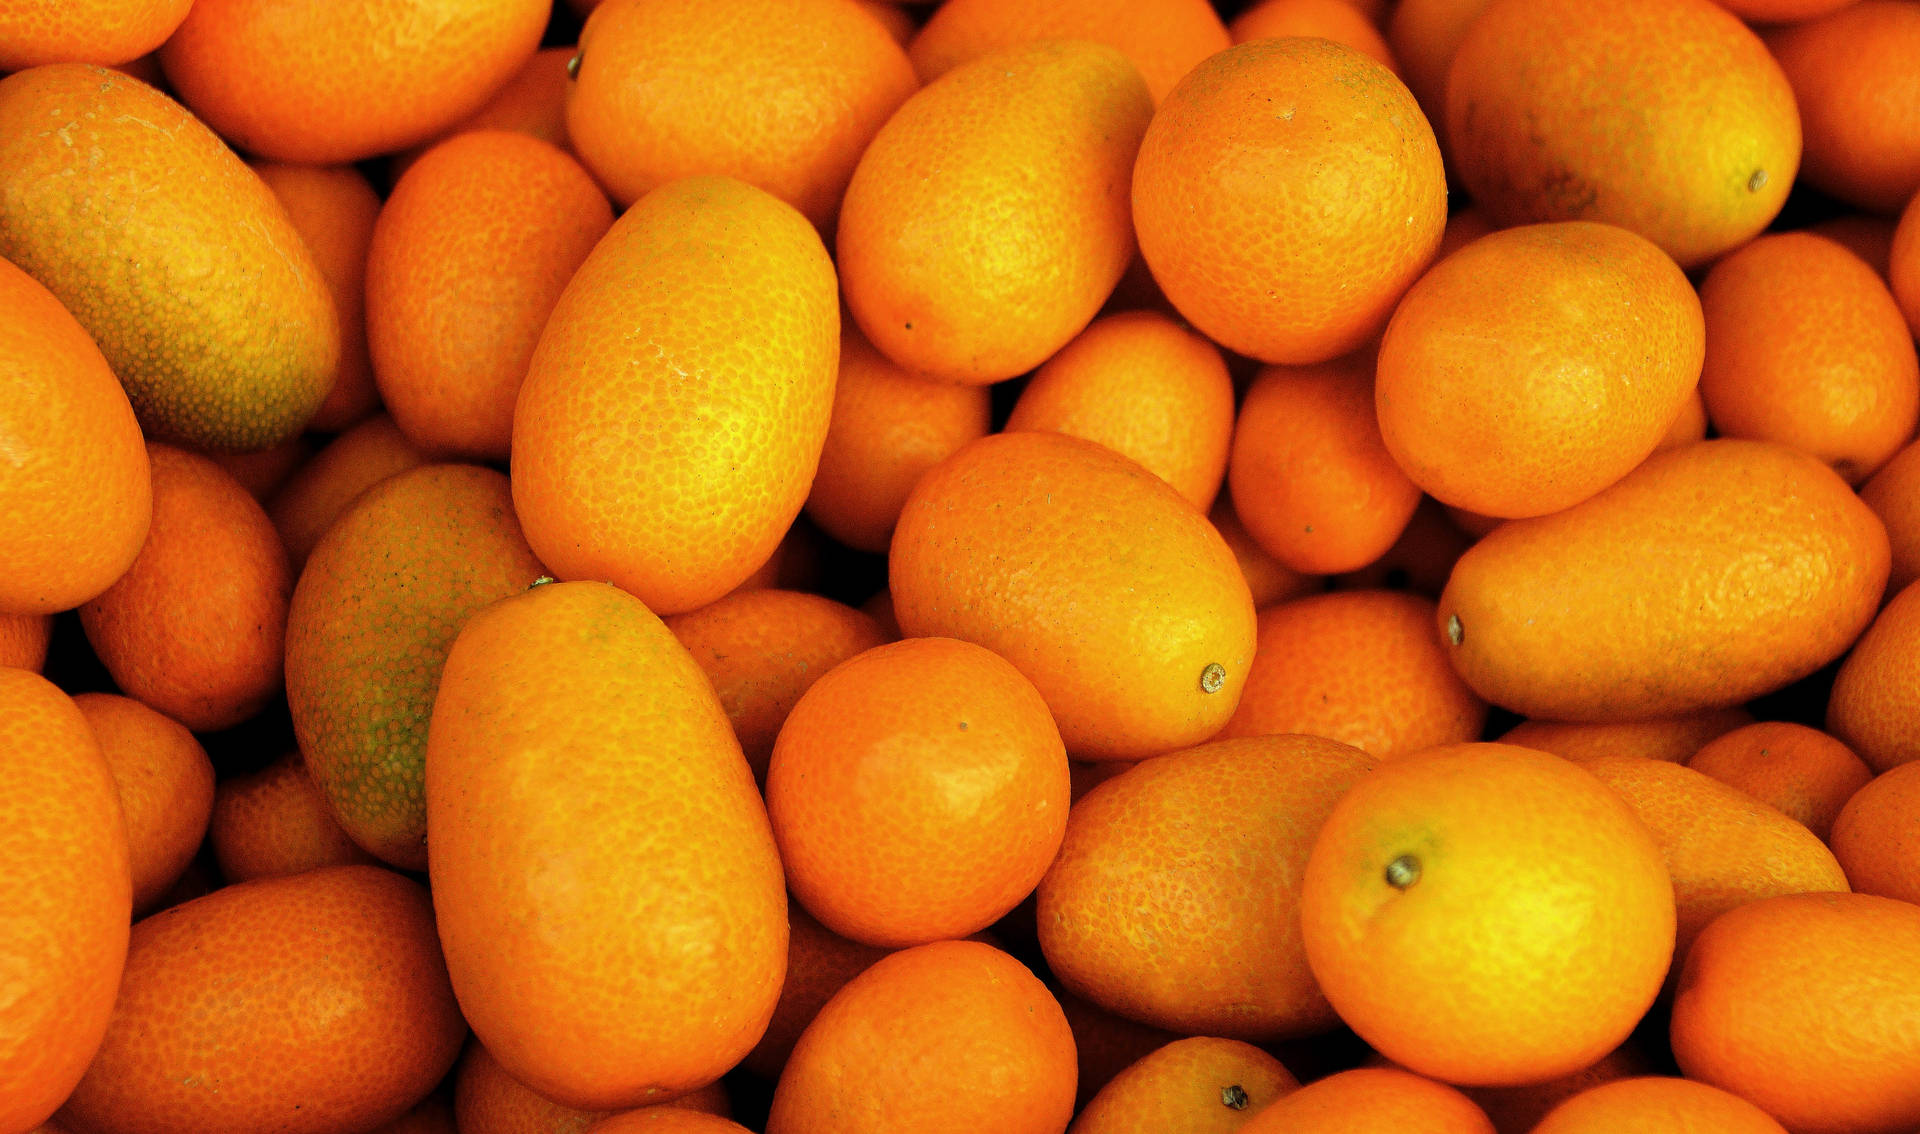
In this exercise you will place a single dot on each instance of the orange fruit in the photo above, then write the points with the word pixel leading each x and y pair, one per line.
pixel 1673 739
pixel 1362 667
pixel 1163 38
pixel 434 1115
pixel 917 791
pixel 1903 263
pixel 24 639
pixel 486 1100
pixel 1665 117
pixel 316 1003
pixel 572 732
pixel 667 1120
pixel 1873 836
pixel 533 102
pixel 820 962
pixel 165 784
pixel 626 480
pixel 196 628
pixel 1196 1086
pixel 1175 897
pixel 1268 580
pixel 1109 591
pixel 470 254
pixel 1643 600
pixel 1146 387
pixel 988 220
pixel 1574 344
pixel 1419 561
pixel 1806 774
pixel 888 427
pixel 175 257
pixel 1805 346
pixel 333 209
pixel 1657 1106
pixel 1723 848
pixel 1423 36
pixel 1517 1110
pixel 1336 20
pixel 899 22
pixel 274 822
pixel 320 490
pixel 1873 704
pixel 75 498
pixel 1866 236
pixel 1336 204
pixel 1105 1044
pixel 321 83
pixel 1781 11
pixel 66 891
pixel 1894 495
pixel 1803 1005
pixel 87 32
pixel 781 94
pixel 795 565
pixel 1487 914
pixel 1689 426
pixel 763 649
pixel 1859 94
pixel 1310 476
pixel 263 471
pixel 945 1038
pixel 1372 1100
pixel 372 619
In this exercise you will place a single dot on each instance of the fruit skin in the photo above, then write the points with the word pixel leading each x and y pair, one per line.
pixel 1654 1105
pixel 316 1004
pixel 1574 344
pixel 321 489
pixel 165 785
pixel 1310 476
pixel 1163 38
pixel 24 639
pixel 1532 936
pixel 1673 739
pixel 321 83
pixel 669 940
pixel 470 253
pixel 1873 837
pixel 948 1038
pixel 372 619
pixel 1110 592
pixel 67 893
pixel 763 649
pixel 1336 20
pixel 781 94
pixel 1198 1085
pixel 1903 263
pixel 1288 236
pixel 988 219
pixel 1517 1110
pixel 617 470
pixel 1871 709
pixel 1146 387
pixel 274 822
pixel 76 497
pixel 820 962
pixel 1853 77
pixel 1804 1005
pixel 334 208
pixel 1894 495
pixel 1722 847
pixel 667 1120
pixel 1372 1100
pixel 1806 346
pixel 1362 667
pixel 486 1100
pixel 1665 117
pixel 1802 771
pixel 196 628
pixel 888 427
pixel 895 826
pixel 103 31
pixel 174 255
pixel 533 102
pixel 1709 575
pixel 1169 907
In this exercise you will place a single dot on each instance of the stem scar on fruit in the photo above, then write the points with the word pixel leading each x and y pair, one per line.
pixel 1403 872
pixel 1213 677
pixel 1758 181
pixel 541 581
pixel 1234 1097
pixel 1456 633
pixel 573 66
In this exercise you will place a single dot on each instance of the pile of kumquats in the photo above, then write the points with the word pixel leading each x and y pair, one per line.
pixel 985 567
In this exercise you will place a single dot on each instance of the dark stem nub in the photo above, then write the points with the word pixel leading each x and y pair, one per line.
pixel 1234 1097
pixel 541 581
pixel 1403 872
pixel 1456 633
pixel 1213 677
pixel 1758 181
pixel 573 67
